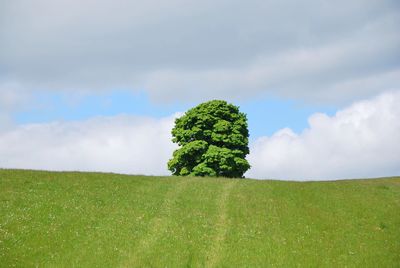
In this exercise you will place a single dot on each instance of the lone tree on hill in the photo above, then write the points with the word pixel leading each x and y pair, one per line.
pixel 213 140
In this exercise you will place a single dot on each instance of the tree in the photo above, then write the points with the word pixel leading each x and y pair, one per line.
pixel 213 140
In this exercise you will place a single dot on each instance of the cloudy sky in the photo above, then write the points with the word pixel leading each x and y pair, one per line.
pixel 96 84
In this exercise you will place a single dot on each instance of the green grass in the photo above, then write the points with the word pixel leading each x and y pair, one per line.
pixel 68 219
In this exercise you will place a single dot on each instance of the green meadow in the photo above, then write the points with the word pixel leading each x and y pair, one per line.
pixel 73 219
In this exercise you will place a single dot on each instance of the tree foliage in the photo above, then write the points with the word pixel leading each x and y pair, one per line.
pixel 213 140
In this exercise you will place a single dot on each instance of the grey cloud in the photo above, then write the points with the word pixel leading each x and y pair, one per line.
pixel 12 98
pixel 201 49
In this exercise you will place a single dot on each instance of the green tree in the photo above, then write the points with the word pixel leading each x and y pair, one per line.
pixel 213 141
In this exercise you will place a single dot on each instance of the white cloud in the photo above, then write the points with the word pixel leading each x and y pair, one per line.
pixel 359 141
pixel 362 140
pixel 125 144
pixel 183 50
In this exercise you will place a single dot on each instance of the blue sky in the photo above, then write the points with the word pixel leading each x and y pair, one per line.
pixel 265 115
pixel 96 85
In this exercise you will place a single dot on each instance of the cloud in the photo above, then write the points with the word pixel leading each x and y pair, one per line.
pixel 195 50
pixel 12 98
pixel 125 144
pixel 360 141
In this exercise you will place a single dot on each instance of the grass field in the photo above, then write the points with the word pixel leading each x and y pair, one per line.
pixel 69 219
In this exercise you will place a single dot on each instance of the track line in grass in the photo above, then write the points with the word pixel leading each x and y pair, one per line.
pixel 215 251
pixel 156 226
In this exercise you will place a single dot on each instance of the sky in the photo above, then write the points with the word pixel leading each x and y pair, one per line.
pixel 96 85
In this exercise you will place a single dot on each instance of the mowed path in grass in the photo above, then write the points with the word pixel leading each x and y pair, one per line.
pixel 68 219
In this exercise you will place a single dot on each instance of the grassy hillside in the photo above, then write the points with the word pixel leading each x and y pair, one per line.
pixel 108 220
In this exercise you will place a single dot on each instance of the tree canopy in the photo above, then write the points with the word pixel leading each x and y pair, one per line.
pixel 213 141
